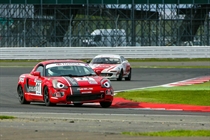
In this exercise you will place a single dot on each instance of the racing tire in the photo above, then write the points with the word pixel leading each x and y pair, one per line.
pixel 120 76
pixel 105 104
pixel 47 98
pixel 21 95
pixel 78 104
pixel 129 76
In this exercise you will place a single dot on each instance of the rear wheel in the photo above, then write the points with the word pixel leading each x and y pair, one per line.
pixel 120 76
pixel 21 96
pixel 78 104
pixel 47 98
pixel 129 76
pixel 105 104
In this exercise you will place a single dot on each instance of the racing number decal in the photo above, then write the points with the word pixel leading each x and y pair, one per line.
pixel 38 87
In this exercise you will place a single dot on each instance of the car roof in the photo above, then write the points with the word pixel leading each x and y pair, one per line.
pixel 108 55
pixel 61 61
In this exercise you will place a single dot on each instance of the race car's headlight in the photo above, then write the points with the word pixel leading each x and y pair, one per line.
pixel 105 83
pixel 59 85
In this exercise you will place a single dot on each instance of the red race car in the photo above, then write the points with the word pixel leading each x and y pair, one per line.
pixel 64 81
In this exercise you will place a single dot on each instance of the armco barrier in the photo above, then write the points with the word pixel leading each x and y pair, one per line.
pixel 90 52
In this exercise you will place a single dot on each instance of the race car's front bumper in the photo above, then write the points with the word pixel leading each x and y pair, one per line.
pixel 110 75
pixel 65 96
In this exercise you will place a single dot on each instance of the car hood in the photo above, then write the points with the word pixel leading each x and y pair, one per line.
pixel 100 67
pixel 79 81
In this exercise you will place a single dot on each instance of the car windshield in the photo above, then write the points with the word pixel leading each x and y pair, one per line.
pixel 69 69
pixel 105 60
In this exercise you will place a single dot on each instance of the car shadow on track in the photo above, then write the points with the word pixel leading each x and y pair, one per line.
pixel 86 105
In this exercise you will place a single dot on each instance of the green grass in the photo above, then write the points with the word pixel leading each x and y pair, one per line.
pixel 190 95
pixel 31 63
pixel 197 94
pixel 172 133
pixel 14 60
pixel 6 117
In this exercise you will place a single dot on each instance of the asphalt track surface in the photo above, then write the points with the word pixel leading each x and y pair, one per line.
pixel 92 120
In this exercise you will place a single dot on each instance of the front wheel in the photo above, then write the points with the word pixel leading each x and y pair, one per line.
pixel 120 76
pixel 21 96
pixel 105 104
pixel 129 76
pixel 47 98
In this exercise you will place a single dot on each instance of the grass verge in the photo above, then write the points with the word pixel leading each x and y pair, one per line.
pixel 6 117
pixel 173 133
pixel 144 63
pixel 189 95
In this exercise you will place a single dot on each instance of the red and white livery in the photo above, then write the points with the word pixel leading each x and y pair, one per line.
pixel 111 66
pixel 64 81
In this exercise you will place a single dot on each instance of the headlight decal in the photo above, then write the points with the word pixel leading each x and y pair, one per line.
pixel 58 85
pixel 105 83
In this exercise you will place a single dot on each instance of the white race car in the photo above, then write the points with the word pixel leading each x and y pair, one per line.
pixel 111 66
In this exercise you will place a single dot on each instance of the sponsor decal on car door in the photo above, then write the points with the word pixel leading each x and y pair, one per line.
pixel 34 88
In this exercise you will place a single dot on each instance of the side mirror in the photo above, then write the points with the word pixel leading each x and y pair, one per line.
pixel 36 73
pixel 88 61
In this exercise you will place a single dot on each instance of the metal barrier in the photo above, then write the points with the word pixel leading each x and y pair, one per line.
pixel 90 52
